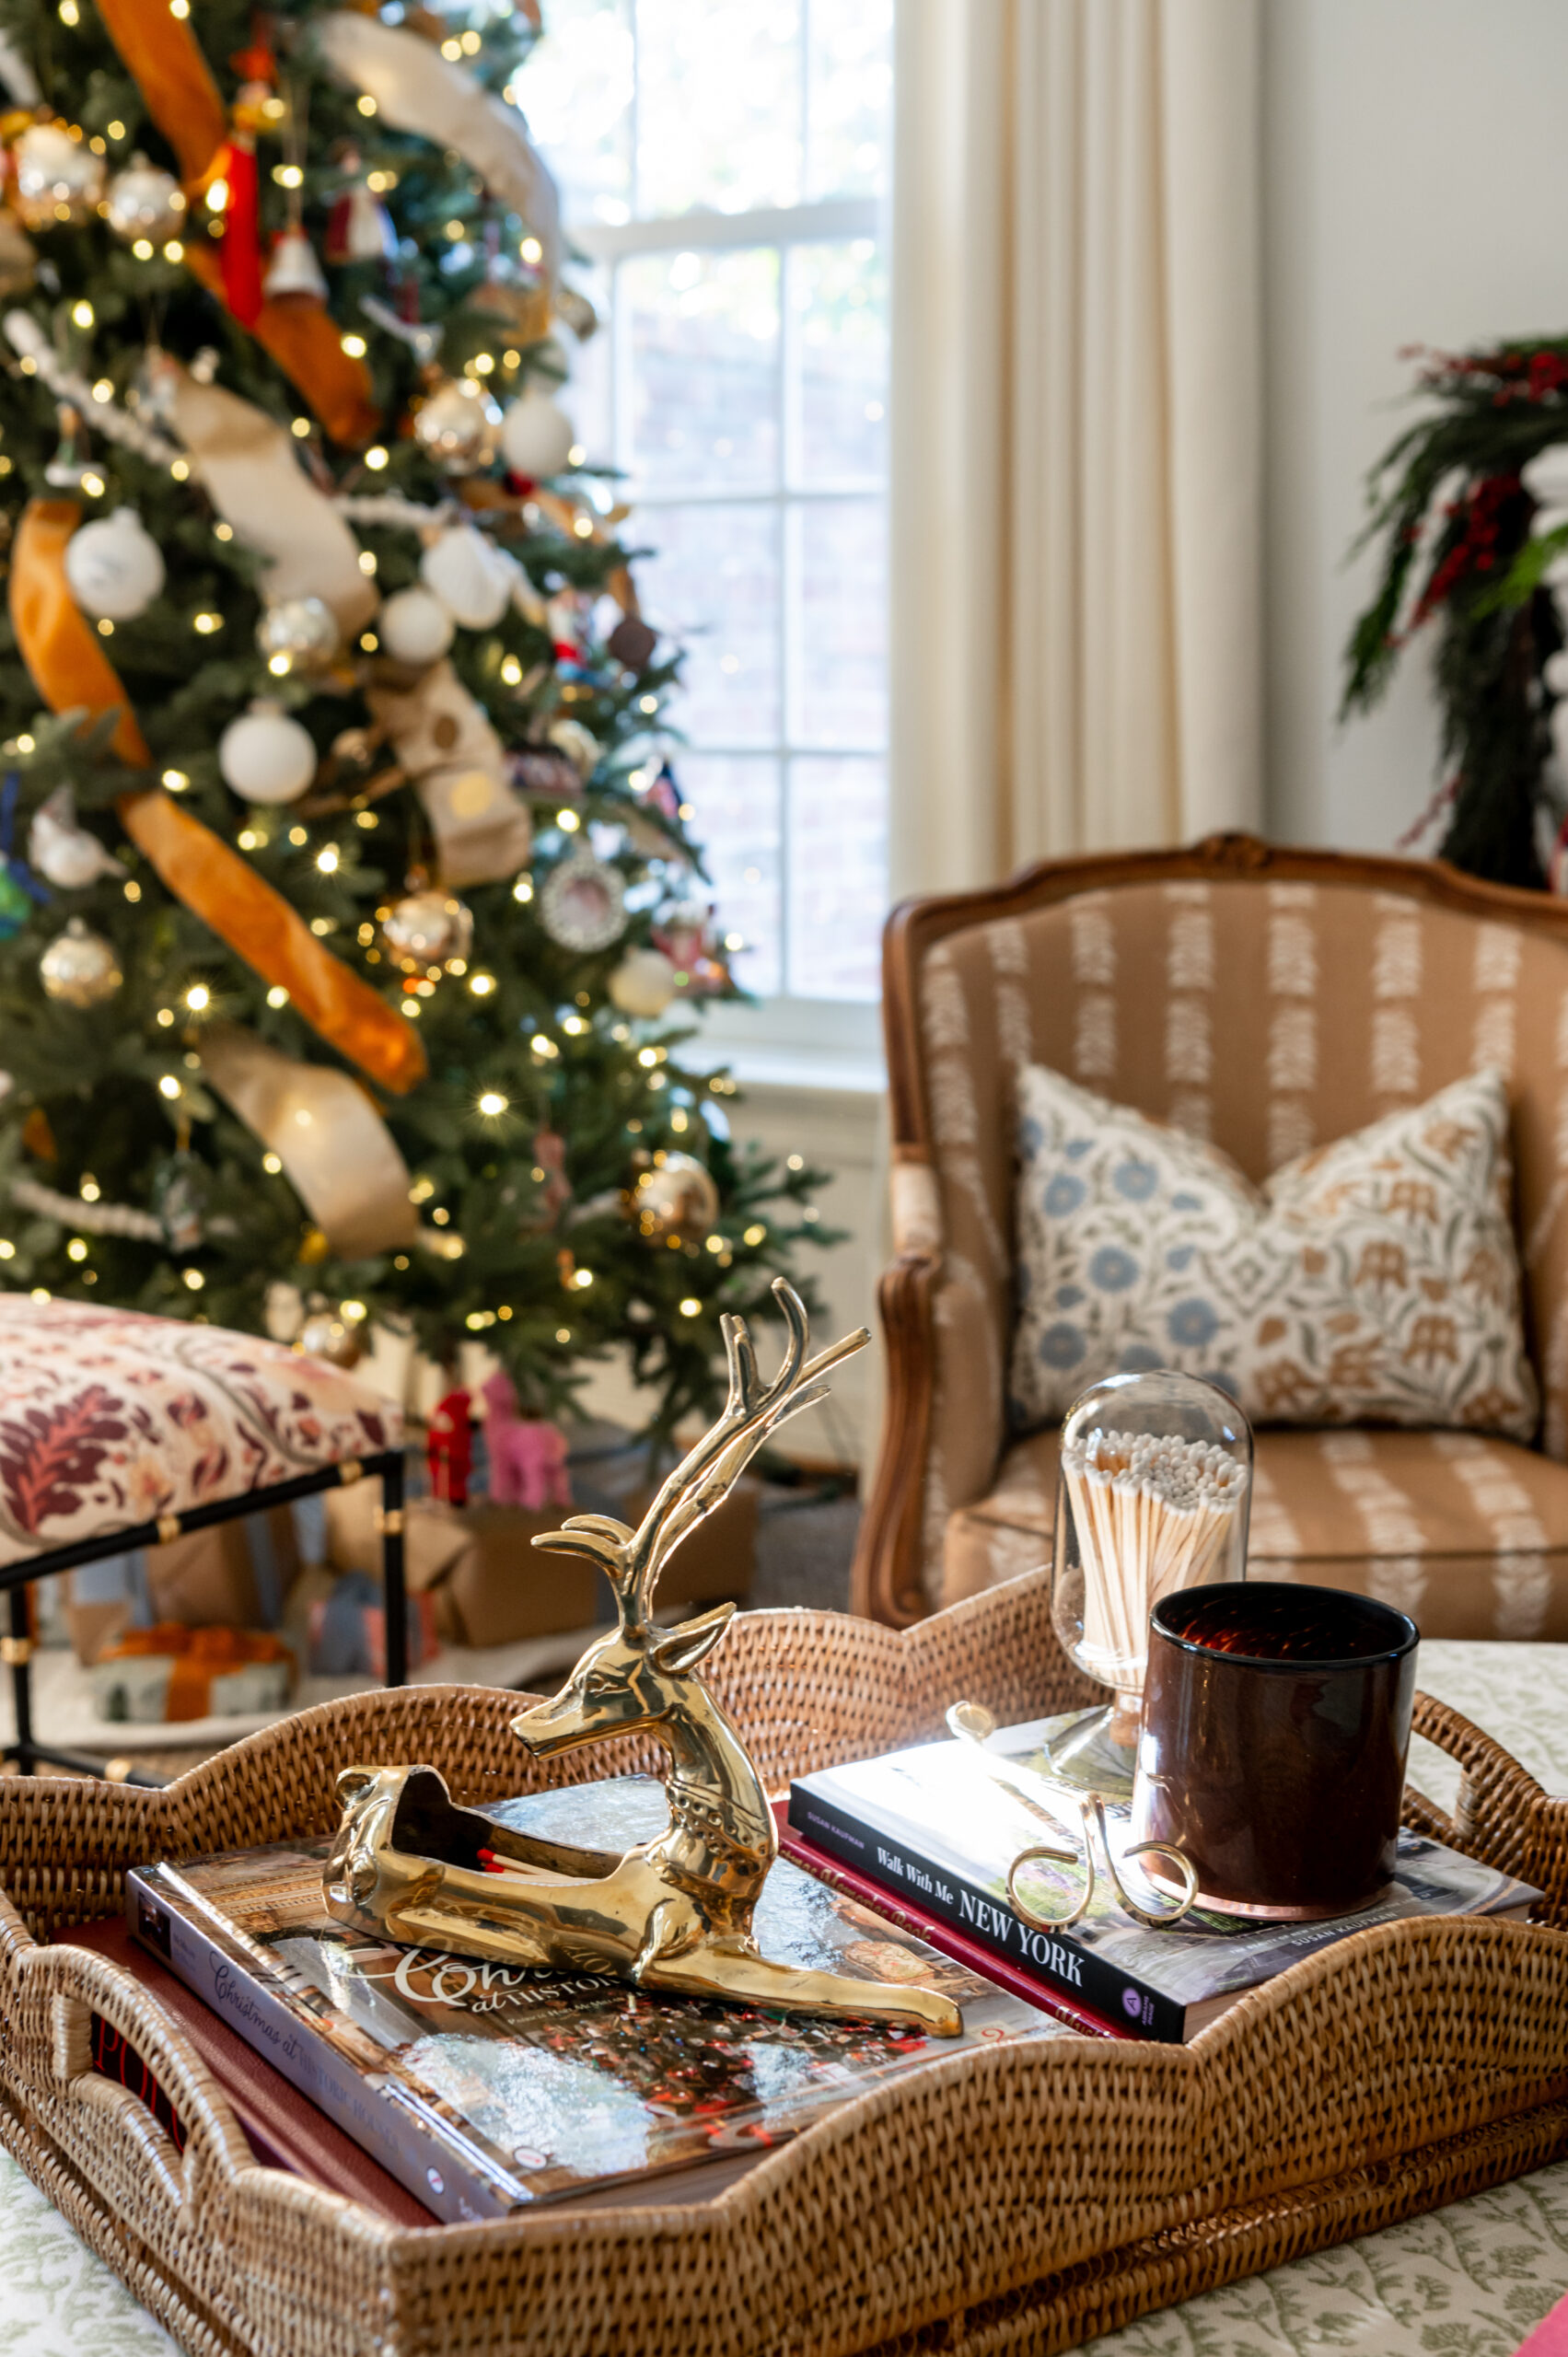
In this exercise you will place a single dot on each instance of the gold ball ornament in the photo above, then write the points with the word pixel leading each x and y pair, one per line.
pixel 675 1197
pixel 18 257
pixel 302 629
pixel 458 425
pixel 79 968
pixel 58 178
pixel 328 1334
pixel 426 929
pixel 144 201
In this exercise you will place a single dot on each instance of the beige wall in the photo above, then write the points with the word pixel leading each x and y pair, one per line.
pixel 1416 191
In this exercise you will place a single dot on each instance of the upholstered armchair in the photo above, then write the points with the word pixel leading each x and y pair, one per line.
pixel 1268 1000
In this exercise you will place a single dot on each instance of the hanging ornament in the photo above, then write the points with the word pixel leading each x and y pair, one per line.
pixel 302 630
pixel 415 627
pixel 328 1334
pixel 358 228
pixel 58 178
pixel 144 201
pixel 470 574
pixel 114 568
pixel 265 756
pixel 631 642
pixel 16 901
pixel 79 967
pixel 580 745
pixel 537 435
pixel 644 983
pixel 426 929
pixel 686 938
pixel 583 906
pixel 18 257
pixel 64 853
pixel 294 275
pixel 457 424
pixel 675 1197
pixel 179 1200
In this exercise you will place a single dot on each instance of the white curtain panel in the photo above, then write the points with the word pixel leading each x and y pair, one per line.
pixel 1077 508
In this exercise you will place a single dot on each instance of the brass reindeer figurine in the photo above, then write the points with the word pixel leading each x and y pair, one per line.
pixel 674 1913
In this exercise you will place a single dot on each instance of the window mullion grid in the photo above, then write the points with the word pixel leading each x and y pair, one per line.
pixel 789 598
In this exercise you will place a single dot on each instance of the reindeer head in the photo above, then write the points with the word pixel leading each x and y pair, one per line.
pixel 640 1675
pixel 622 1683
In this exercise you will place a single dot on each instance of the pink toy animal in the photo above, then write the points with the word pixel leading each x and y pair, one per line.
pixel 527 1459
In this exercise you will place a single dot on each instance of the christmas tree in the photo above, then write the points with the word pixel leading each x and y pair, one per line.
pixel 348 904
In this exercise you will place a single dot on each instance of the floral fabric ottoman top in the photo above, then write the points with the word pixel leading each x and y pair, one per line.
pixel 108 1418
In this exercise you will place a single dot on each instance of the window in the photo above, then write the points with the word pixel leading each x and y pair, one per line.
pixel 723 162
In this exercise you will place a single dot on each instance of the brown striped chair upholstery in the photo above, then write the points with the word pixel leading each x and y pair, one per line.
pixel 1269 1000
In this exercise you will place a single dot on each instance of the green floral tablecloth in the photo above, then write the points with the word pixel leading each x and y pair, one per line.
pixel 1470 2281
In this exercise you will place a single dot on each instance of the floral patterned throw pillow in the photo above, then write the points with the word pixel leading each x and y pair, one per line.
pixel 1372 1281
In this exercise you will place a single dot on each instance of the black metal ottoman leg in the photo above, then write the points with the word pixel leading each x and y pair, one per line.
pixel 394 1593
pixel 17 1652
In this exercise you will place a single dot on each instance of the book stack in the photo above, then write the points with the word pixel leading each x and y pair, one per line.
pixel 474 2090
pixel 483 2088
pixel 931 1827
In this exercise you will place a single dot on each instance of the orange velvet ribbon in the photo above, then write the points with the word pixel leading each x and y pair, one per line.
pixel 71 673
pixel 165 60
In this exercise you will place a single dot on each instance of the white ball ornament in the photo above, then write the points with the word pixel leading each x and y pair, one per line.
pixel 415 627
pixel 644 983
pixel 472 577
pixel 265 756
pixel 114 568
pixel 537 435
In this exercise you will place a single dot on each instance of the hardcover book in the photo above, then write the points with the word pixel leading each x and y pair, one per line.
pixel 486 2088
pixel 931 1827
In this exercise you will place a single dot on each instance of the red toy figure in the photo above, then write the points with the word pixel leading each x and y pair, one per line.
pixel 447 1451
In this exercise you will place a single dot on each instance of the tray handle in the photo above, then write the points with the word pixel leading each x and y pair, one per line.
pixel 1502 1816
pixel 113 2135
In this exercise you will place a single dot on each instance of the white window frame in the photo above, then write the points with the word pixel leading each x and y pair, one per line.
pixel 785 1038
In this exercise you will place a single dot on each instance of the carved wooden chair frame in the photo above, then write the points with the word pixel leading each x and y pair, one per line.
pixel 886 1584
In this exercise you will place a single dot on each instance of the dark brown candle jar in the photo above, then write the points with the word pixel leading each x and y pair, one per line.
pixel 1276 1725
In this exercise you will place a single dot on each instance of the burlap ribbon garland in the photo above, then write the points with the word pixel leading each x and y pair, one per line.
pixel 164 59
pixel 71 673
pixel 337 1152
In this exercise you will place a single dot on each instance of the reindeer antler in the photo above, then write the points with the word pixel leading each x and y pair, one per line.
pixel 753 1412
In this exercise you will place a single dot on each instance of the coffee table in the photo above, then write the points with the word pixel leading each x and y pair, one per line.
pixel 1470 2280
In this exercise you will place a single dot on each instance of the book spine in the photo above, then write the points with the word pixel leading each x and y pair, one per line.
pixel 1053 1959
pixel 957 1945
pixel 434 2170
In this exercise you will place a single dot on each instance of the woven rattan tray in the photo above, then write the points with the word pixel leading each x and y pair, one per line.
pixel 1011 2199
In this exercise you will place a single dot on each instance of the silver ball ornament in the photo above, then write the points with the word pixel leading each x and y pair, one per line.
pixel 426 929
pixel 144 201
pixel 58 178
pixel 265 756
pixel 677 1197
pixel 114 568
pixel 302 629
pixel 458 425
pixel 79 967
